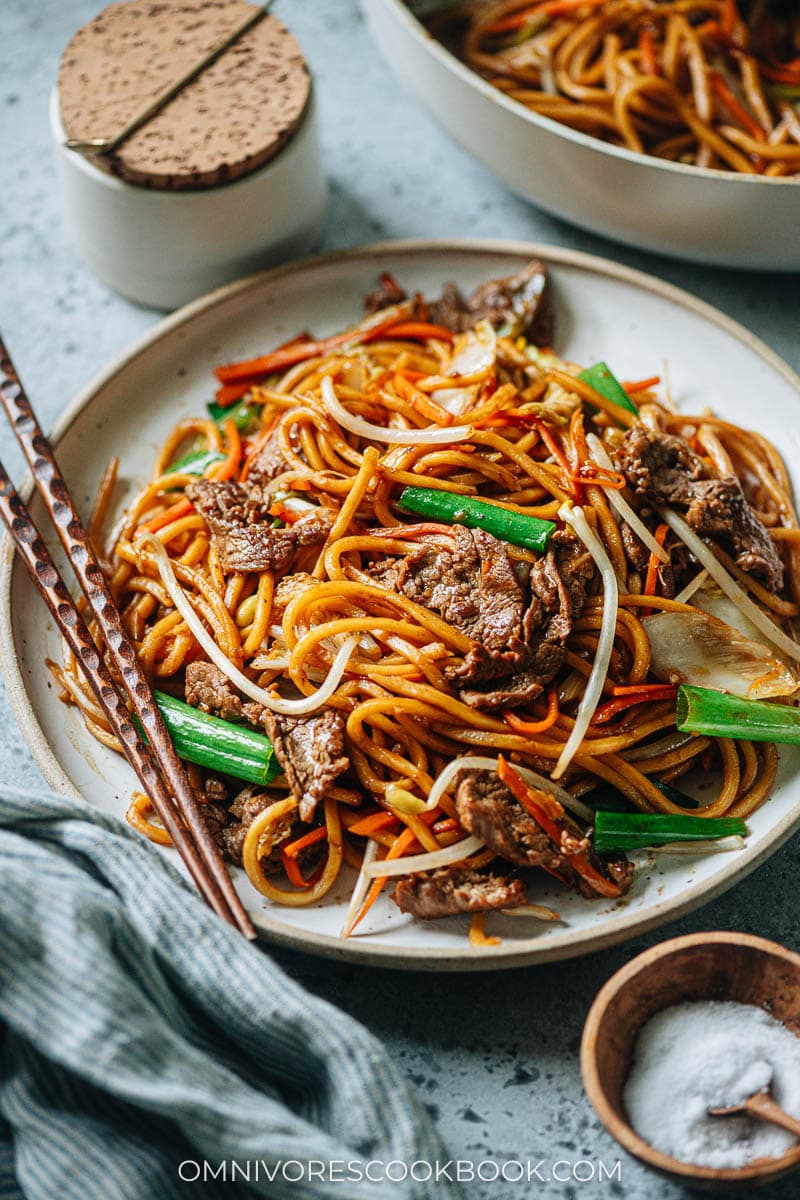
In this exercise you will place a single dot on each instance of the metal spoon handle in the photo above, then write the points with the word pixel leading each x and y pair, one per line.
pixel 764 1106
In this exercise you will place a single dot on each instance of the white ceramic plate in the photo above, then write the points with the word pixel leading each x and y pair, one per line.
pixel 707 216
pixel 604 311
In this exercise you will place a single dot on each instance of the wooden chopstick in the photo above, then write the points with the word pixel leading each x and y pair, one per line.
pixel 182 815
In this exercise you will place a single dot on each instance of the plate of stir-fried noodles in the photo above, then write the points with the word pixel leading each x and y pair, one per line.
pixel 467 578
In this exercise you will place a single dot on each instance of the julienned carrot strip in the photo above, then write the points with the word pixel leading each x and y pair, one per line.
pixel 414 330
pixel 374 823
pixel 729 18
pixel 288 515
pixel 641 385
pixel 229 393
pixel 181 508
pixel 548 812
pixel 737 110
pixel 308 839
pixel 610 708
pixel 780 74
pixel 521 726
pixel 638 689
pixel 230 466
pixel 297 351
pixel 402 843
pixel 549 8
pixel 651 580
pixel 554 447
pixel 424 405
pixel 647 53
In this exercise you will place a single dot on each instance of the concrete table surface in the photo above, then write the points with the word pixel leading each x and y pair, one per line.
pixel 494 1056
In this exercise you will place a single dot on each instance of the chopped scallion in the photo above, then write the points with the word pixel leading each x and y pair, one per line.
pixel 517 528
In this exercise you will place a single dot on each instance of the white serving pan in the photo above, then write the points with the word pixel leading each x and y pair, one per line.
pixel 708 216
pixel 603 310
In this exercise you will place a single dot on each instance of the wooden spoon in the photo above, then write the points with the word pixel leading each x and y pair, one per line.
pixel 760 1105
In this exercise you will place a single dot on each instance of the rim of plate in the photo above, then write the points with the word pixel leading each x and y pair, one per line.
pixel 449 61
pixel 522 952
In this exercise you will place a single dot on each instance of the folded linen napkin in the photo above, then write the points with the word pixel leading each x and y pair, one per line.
pixel 138 1033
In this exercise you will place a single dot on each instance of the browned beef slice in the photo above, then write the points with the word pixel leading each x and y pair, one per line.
pixel 490 811
pixel 469 580
pixel 212 692
pixel 719 510
pixel 659 466
pixel 521 303
pixel 387 292
pixel 268 463
pixel 666 470
pixel 558 583
pixel 249 804
pixel 311 751
pixel 636 552
pixel 242 527
pixel 452 890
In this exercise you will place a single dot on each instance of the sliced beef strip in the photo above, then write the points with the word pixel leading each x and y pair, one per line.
pixel 268 463
pixel 468 578
pixel 452 890
pixel 558 584
pixel 665 470
pixel 489 810
pixel 311 751
pixel 241 525
pixel 472 586
pixel 521 304
pixel 386 293
pixel 249 804
pixel 208 689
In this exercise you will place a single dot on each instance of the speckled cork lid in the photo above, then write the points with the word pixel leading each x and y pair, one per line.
pixel 230 120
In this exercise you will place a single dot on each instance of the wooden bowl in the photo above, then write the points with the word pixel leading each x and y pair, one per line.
pixel 702 966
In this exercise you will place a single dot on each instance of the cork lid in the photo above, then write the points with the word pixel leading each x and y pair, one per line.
pixel 230 120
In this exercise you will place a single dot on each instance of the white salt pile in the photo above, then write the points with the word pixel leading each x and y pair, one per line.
pixel 696 1056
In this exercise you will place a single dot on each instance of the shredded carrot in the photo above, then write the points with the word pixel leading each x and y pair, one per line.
pixel 651 581
pixel 556 450
pixel 477 931
pixel 585 470
pixel 426 406
pixel 297 351
pixel 519 725
pixel 181 508
pixel 610 708
pixel 642 385
pixel 647 53
pixel 229 393
pixel 292 849
pixel 374 823
pixel 402 844
pixel 729 18
pixel 637 689
pixel 548 812
pixel 288 515
pixel 549 8
pixel 416 330
pixel 230 466
pixel 735 108
pixel 780 74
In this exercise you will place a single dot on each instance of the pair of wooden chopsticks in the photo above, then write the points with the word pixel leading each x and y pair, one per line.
pixel 157 765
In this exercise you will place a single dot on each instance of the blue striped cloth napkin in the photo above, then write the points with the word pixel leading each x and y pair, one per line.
pixel 141 1038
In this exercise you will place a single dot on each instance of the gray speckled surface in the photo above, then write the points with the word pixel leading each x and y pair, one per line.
pixel 496 1056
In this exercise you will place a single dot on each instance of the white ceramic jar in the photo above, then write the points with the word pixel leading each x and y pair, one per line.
pixel 165 248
